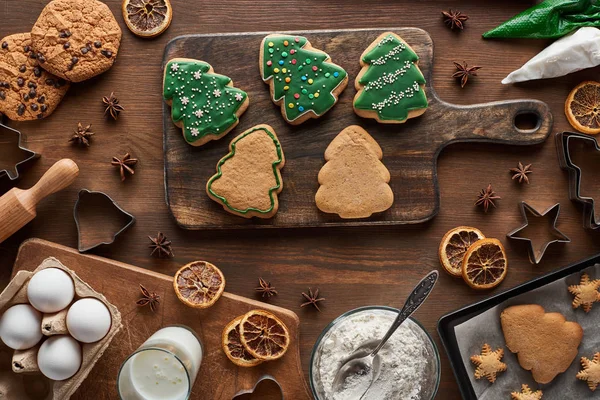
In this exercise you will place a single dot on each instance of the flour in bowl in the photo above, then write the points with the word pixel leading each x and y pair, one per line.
pixel 405 359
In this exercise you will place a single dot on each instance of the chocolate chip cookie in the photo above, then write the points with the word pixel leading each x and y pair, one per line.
pixel 27 91
pixel 76 39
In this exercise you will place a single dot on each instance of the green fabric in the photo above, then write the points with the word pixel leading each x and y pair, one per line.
pixel 549 19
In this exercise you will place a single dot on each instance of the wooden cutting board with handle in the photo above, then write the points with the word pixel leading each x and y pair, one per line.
pixel 218 378
pixel 410 150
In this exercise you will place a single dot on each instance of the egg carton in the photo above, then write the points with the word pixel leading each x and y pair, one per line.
pixel 25 381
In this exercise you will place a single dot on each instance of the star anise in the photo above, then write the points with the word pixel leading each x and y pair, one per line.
pixel 455 19
pixel 312 299
pixel 521 172
pixel 124 164
pixel 148 298
pixel 82 135
pixel 161 246
pixel 463 71
pixel 112 105
pixel 265 288
pixel 486 198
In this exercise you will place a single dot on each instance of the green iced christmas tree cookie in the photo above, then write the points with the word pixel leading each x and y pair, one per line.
pixel 391 88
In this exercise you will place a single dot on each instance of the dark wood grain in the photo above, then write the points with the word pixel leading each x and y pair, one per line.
pixel 410 149
pixel 352 266
pixel 119 284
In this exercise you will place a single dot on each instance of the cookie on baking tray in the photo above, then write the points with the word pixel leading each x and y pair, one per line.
pixel 248 179
pixel 76 39
pixel 488 363
pixel 27 92
pixel 354 182
pixel 303 80
pixel 526 394
pixel 205 105
pixel 586 293
pixel 546 344
pixel 390 85
pixel 591 371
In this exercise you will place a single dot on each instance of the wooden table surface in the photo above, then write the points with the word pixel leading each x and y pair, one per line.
pixel 352 267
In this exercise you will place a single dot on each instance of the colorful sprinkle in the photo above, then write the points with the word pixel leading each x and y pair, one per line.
pixel 271 51
pixel 315 68
pixel 304 91
pixel 284 54
pixel 294 61
pixel 271 44
pixel 327 74
pixel 310 96
pixel 284 70
pixel 336 74
pixel 316 94
pixel 280 62
pixel 300 108
pixel 291 105
pixel 296 95
pixel 292 51
pixel 269 63
pixel 286 88
pixel 310 81
pixel 285 43
pixel 276 70
pixel 296 39
pixel 303 78
pixel 287 79
pixel 307 61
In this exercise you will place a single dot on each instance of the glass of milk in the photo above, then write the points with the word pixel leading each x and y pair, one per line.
pixel 163 368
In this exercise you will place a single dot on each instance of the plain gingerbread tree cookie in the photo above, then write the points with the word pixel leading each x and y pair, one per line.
pixel 354 181
pixel 205 105
pixel 546 344
pixel 391 88
pixel 248 179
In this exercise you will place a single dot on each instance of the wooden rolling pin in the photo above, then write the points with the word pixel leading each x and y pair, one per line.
pixel 17 206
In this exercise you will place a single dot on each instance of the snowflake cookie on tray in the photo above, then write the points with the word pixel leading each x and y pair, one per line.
pixel 390 85
pixel 205 105
pixel 303 81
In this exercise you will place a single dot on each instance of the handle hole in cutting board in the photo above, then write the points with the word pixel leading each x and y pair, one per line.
pixel 527 121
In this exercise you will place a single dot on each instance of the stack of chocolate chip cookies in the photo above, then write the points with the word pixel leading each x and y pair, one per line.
pixel 72 40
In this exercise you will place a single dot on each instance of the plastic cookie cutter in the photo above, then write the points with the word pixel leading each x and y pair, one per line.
pixel 99 220
pixel 267 386
pixel 551 217
pixel 564 140
pixel 9 152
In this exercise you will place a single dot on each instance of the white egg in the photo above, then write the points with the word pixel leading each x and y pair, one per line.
pixel 59 357
pixel 21 327
pixel 88 320
pixel 50 290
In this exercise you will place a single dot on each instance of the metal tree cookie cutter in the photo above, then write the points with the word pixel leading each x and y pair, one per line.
pixel 99 219
pixel 263 381
pixel 563 142
pixel 552 215
pixel 29 155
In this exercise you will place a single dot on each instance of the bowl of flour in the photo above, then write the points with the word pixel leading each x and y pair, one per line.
pixel 410 362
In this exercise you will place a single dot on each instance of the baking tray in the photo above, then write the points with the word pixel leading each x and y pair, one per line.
pixel 447 322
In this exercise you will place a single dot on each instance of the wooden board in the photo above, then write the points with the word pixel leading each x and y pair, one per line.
pixel 410 150
pixel 218 378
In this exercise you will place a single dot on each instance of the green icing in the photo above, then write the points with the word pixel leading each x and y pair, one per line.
pixel 392 81
pixel 231 154
pixel 202 101
pixel 311 79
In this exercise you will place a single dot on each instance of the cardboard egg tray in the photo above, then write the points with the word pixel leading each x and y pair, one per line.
pixel 20 377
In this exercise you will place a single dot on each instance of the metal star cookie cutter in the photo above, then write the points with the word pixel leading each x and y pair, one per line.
pixel 14 174
pixel 87 196
pixel 552 212
pixel 243 394
pixel 563 141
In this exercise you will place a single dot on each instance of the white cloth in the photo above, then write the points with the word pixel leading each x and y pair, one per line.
pixel 576 51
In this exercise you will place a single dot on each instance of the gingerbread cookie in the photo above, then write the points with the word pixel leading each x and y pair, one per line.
pixel 526 394
pixel 248 179
pixel 391 88
pixel 204 105
pixel 303 81
pixel 488 363
pixel 27 91
pixel 354 182
pixel 545 343
pixel 591 371
pixel 586 293
pixel 76 39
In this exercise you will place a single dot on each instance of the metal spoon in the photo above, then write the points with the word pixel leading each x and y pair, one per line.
pixel 366 361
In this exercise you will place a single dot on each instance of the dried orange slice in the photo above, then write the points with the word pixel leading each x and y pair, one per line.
pixel 454 246
pixel 199 284
pixel 264 335
pixel 582 107
pixel 232 345
pixel 485 264
pixel 147 18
